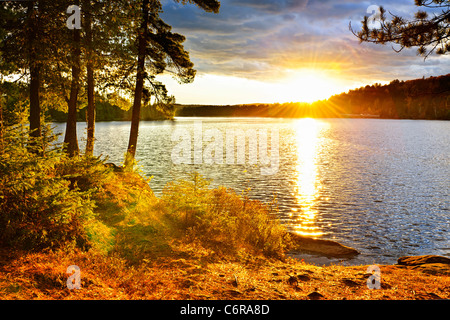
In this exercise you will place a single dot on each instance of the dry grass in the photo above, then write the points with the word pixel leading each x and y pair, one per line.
pixel 195 273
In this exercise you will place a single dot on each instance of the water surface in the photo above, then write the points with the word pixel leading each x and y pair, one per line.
pixel 380 186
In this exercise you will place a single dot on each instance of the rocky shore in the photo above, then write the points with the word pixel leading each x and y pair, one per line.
pixel 327 248
pixel 429 264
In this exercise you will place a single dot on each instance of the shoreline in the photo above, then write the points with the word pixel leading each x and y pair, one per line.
pixel 145 247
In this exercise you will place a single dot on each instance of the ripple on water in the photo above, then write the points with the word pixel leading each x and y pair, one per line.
pixel 380 186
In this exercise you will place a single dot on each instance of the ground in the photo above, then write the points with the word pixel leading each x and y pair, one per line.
pixel 191 273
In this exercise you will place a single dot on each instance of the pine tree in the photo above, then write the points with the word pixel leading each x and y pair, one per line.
pixel 22 54
pixel 28 43
pixel 70 138
pixel 157 50
pixel 90 114
pixel 427 33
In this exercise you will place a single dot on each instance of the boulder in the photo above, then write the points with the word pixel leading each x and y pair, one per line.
pixel 419 260
pixel 318 246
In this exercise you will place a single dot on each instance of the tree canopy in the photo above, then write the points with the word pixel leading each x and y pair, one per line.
pixel 428 31
pixel 117 50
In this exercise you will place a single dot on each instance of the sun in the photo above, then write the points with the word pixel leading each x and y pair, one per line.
pixel 308 85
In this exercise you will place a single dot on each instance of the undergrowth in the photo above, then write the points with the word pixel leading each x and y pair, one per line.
pixel 223 220
pixel 51 201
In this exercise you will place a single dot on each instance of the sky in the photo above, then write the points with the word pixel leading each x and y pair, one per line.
pixel 264 51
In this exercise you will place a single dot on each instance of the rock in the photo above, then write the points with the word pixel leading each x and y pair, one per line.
pixel 434 268
pixel 303 277
pixel 292 280
pixel 430 264
pixel 419 260
pixel 350 283
pixel 325 247
pixel 315 296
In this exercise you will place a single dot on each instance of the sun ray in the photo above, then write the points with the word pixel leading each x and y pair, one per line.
pixel 308 85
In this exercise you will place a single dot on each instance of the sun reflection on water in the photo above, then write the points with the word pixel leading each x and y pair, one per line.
pixel 308 185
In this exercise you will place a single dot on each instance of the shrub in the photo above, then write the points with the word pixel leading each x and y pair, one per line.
pixel 40 208
pixel 222 219
pixel 87 174
pixel 186 201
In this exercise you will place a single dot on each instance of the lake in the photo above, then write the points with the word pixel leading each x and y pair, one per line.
pixel 380 186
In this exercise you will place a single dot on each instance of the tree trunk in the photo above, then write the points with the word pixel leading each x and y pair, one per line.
pixel 70 138
pixel 90 117
pixel 142 45
pixel 90 112
pixel 35 107
pixel 2 141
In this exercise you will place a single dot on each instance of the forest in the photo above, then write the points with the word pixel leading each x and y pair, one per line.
pixel 76 57
pixel 426 98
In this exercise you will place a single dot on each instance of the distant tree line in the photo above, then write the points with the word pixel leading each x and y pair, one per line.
pixel 413 99
pixel 15 106
pixel 107 111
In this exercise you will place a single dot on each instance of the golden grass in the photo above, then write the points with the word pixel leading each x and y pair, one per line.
pixel 196 273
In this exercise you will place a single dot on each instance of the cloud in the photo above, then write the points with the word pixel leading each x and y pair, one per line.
pixel 272 7
pixel 261 39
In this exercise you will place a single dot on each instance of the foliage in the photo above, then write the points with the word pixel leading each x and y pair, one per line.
pixel 223 220
pixel 14 103
pixel 109 109
pixel 427 32
pixel 117 36
pixel 40 208
pixel 414 99
pixel 41 276
pixel 50 200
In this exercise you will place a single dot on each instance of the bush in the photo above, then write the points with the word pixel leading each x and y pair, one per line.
pixel 40 207
pixel 222 219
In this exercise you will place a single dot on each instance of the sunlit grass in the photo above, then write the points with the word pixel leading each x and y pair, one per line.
pixel 199 275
